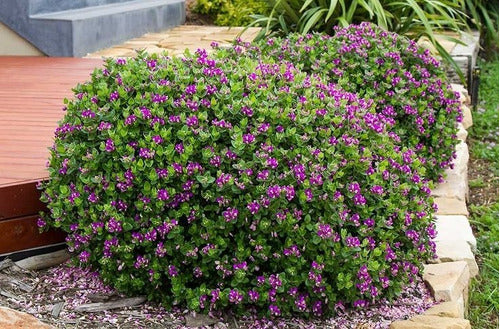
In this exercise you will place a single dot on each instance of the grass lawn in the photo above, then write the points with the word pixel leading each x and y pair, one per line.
pixel 483 206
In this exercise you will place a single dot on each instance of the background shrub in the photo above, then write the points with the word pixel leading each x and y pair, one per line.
pixel 213 182
pixel 406 83
pixel 231 12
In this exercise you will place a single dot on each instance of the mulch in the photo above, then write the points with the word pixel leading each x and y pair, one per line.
pixel 71 297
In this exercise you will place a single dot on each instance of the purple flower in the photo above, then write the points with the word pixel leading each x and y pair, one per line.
pixel 179 148
pixel 172 271
pixel 114 225
pixel 151 63
pixel 263 127
pixel 321 112
pixel 360 303
pixel 157 139
pixel 275 310
pixel 235 297
pixel 84 256
pixel 215 161
pixel 240 266
pixel 274 191
pixel 40 222
pixel 88 114
pixel 92 197
pixel 114 96
pixel 309 194
pixel 352 242
pixel 191 89
pixel 300 303
pixel 377 189
pixel 146 113
pixel 289 192
pixel 223 179
pixel 272 163
pixel 192 121
pixel 247 111
pixel 163 194
pixel 354 188
pixel 325 231
pixel 248 138
pixel 130 120
pixel 104 126
pixel 253 207
pixel 146 153
pixel 263 175
pixel 359 200
pixel 230 214
pixel 253 295
pixel 317 308
pixel 369 222
pixel 177 168
pixel 157 98
pixel 110 145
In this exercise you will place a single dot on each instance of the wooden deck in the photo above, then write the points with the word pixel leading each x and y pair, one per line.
pixel 32 90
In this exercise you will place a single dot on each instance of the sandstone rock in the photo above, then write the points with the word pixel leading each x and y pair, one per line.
pixel 446 309
pixel 112 52
pixel 462 133
pixel 441 322
pixel 463 93
pixel 447 281
pixel 454 228
pixel 11 319
pixel 452 251
pixel 467 120
pixel 451 206
pixel 431 322
pixel 464 300
pixel 461 162
pixel 456 184
pixel 407 324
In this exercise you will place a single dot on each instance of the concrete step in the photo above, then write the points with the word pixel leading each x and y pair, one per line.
pixel 78 31
pixel 49 6
pixel 97 27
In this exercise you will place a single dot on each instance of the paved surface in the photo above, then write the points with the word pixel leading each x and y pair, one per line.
pixel 175 41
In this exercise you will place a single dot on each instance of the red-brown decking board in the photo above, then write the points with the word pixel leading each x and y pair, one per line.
pixel 32 90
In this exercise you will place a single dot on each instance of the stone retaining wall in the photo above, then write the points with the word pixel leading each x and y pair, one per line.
pixel 449 275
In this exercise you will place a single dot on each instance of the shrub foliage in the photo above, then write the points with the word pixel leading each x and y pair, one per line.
pixel 231 12
pixel 216 181
pixel 407 84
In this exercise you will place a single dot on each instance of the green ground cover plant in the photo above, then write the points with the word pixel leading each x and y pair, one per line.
pixel 224 181
pixel 484 204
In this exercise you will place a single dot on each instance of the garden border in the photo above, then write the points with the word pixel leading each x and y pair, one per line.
pixel 449 275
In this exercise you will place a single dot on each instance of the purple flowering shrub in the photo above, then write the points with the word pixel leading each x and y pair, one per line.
pixel 407 84
pixel 214 182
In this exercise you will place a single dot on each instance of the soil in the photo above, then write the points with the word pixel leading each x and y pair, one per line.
pixel 487 194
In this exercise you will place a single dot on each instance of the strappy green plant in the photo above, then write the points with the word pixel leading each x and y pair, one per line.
pixel 413 18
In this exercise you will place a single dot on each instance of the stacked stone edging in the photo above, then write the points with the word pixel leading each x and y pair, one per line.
pixel 448 276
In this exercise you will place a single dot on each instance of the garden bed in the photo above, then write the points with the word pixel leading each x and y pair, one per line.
pixel 66 292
